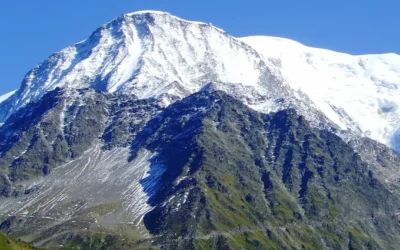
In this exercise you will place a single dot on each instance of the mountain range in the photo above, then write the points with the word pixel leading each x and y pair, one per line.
pixel 158 132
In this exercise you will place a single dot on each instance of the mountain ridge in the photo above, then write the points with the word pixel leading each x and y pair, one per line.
pixel 301 44
pixel 156 54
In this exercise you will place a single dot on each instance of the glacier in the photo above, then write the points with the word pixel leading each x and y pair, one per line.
pixel 358 93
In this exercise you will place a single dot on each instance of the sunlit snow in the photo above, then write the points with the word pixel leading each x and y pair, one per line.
pixel 356 92
pixel 6 96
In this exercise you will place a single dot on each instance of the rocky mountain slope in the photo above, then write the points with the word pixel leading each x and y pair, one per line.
pixel 261 181
pixel 206 172
pixel 157 132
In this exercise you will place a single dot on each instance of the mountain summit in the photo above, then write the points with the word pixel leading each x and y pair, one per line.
pixel 147 54
pixel 158 55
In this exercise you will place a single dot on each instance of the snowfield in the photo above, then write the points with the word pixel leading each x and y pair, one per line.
pixel 356 92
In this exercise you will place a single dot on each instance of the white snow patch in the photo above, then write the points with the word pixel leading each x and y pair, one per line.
pixel 185 196
pixel 130 64
pixel 6 96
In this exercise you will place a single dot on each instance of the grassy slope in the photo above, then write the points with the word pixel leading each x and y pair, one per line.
pixel 11 244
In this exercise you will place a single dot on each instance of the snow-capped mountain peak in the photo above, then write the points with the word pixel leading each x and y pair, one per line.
pixel 153 54
pixel 143 53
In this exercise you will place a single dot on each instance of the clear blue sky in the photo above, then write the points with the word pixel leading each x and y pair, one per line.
pixel 33 29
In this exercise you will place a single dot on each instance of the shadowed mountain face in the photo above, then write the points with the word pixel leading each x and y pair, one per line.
pixel 235 178
pixel 88 169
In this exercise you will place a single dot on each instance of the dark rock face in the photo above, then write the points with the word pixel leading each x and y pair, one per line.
pixel 265 180
pixel 232 178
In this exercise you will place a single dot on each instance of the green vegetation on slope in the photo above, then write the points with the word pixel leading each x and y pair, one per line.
pixel 256 181
pixel 7 243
